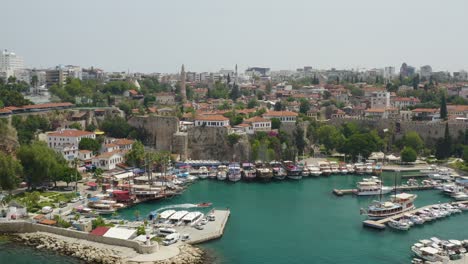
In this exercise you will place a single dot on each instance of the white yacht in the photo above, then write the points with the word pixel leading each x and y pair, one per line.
pixel 325 168
pixel 222 173
pixel 343 169
pixel 399 225
pixel 360 168
pixel 441 174
pixel 460 196
pixel 203 172
pixel 350 168
pixel 334 167
pixel 314 170
pixel 234 172
pixel 369 168
pixel 371 186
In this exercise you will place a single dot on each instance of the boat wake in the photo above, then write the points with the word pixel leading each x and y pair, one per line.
pixel 187 205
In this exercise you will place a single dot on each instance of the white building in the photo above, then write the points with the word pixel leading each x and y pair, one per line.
pixel 389 72
pixel 108 160
pixel 283 116
pixel 211 121
pixel 380 99
pixel 9 62
pixel 257 124
pixel 64 137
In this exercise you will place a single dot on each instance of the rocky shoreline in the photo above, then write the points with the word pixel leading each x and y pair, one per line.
pixel 95 254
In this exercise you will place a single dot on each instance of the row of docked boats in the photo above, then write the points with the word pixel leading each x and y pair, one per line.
pixel 439 251
pixel 277 170
pixel 426 215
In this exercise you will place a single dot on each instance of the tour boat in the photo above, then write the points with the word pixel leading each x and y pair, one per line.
pixel 293 172
pixel 371 186
pixel 460 196
pixel 350 168
pixel 343 169
pixel 398 204
pixel 248 171
pixel 335 169
pixel 325 168
pixel 222 172
pixel 279 173
pixel 360 168
pixel 314 170
pixel 264 172
pixel 234 173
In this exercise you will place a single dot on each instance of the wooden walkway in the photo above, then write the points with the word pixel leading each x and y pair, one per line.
pixel 341 192
pixel 380 224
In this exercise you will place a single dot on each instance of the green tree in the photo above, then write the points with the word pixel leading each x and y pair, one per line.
pixel 278 106
pixel 444 145
pixel 275 123
pixel 443 108
pixel 10 172
pixel 361 144
pixel 413 140
pixel 299 139
pixel 76 126
pixel 330 137
pixel 304 107
pixel 235 92
pixel 465 154
pixel 252 103
pixel 136 156
pixel 233 139
pixel 89 144
pixel 408 154
pixel 116 127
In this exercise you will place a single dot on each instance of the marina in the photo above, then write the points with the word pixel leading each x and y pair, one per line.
pixel 341 192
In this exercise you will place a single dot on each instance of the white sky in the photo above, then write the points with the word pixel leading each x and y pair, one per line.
pixel 206 35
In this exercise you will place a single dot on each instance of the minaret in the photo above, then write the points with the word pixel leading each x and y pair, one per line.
pixel 235 78
pixel 183 92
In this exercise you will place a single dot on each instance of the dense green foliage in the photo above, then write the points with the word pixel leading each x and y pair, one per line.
pixel 27 127
pixel 10 172
pixel 89 144
pixel 136 156
pixel 408 154
pixel 11 93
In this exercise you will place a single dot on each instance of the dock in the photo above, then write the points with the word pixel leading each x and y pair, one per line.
pixel 212 230
pixel 380 224
pixel 341 192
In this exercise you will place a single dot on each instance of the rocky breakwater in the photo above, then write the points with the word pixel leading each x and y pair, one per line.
pixel 188 255
pixel 88 253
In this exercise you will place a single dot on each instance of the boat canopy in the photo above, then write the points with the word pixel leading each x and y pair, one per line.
pixel 178 215
pixel 429 250
pixel 191 216
pixel 166 214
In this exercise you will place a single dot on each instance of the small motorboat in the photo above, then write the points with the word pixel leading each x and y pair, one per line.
pixel 204 204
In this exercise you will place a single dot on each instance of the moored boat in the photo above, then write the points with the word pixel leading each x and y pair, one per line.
pixel 279 172
pixel 222 172
pixel 264 172
pixel 371 186
pixel 314 170
pixel 293 171
pixel 324 168
pixel 398 204
pixel 248 171
pixel 334 167
pixel 234 173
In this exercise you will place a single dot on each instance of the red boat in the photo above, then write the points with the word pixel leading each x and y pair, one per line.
pixel 204 204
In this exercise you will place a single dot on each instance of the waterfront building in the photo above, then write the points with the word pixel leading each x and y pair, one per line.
pixel 63 137
pixel 211 121
pixel 108 160
pixel 283 116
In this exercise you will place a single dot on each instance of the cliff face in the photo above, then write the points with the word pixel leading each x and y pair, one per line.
pixel 8 138
pixel 161 130
pixel 212 143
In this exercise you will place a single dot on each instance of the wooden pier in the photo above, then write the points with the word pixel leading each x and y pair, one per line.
pixel 341 192
pixel 380 224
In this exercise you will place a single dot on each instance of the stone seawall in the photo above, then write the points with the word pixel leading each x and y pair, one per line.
pixel 26 227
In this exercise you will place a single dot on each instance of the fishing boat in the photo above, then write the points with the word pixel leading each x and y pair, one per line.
pixel 371 186
pixel 212 174
pixel 398 204
pixel 263 170
pixel 293 172
pixel 279 172
pixel 248 171
pixel 221 173
pixel 325 168
pixel 234 173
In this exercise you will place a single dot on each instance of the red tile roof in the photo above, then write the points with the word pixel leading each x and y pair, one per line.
pixel 280 113
pixel 70 133
pixel 100 231
pixel 256 119
pixel 211 118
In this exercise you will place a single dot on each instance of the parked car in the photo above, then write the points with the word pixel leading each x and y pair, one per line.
pixel 62 204
pixel 74 200
pixel 171 239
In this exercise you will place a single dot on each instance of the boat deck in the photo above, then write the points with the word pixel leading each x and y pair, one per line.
pixel 380 224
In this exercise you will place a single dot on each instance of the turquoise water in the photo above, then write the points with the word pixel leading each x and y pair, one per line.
pixel 303 222
pixel 16 253
pixel 298 222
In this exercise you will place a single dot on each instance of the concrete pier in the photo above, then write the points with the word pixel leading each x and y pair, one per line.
pixel 212 230
pixel 341 192
pixel 380 224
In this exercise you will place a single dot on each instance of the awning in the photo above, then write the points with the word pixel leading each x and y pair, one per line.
pixel 91 184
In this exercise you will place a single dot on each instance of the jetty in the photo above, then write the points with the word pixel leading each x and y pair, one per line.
pixel 341 192
pixel 380 224
pixel 212 230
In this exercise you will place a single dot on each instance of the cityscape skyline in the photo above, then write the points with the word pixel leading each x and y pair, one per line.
pixel 278 35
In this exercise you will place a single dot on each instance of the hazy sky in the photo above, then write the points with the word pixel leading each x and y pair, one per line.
pixel 206 35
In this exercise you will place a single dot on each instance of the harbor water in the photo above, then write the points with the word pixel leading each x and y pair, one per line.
pixel 303 222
